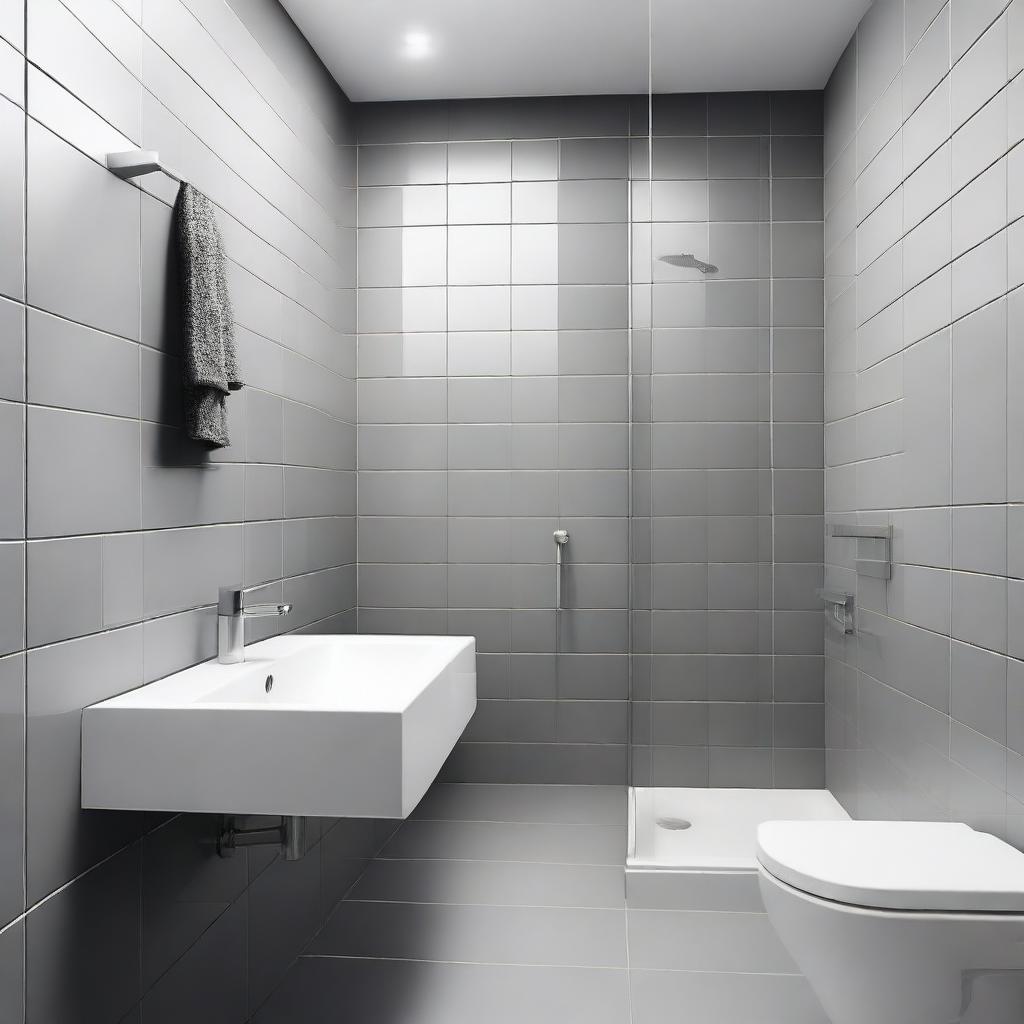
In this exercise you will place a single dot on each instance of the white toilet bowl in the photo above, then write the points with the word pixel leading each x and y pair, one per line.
pixel 899 922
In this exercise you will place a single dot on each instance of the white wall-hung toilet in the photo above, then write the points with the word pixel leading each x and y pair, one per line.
pixel 899 922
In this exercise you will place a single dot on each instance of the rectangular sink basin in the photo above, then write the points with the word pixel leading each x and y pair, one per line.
pixel 331 726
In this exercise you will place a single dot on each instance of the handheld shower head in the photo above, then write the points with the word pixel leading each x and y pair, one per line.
pixel 687 259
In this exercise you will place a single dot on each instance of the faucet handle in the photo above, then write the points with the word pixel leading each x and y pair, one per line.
pixel 229 600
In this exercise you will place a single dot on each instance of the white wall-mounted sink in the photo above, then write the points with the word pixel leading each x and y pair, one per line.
pixel 351 726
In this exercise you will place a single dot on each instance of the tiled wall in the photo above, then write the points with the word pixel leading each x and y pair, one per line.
pixel 115 532
pixel 494 406
pixel 924 377
pixel 493 341
pixel 728 444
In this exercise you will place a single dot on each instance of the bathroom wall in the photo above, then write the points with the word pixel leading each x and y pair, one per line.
pixel 494 311
pixel 115 532
pixel 924 377
pixel 728 486
pixel 493 406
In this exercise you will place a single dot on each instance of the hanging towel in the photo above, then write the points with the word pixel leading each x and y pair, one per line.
pixel 210 363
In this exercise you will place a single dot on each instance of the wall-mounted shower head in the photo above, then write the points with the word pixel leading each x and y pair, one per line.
pixel 687 259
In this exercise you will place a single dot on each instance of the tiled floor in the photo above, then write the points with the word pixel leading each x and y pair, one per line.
pixel 506 904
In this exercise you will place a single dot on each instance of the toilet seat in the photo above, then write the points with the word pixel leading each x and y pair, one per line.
pixel 895 865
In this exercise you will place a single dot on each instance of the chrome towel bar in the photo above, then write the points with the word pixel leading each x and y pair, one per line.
pixel 136 162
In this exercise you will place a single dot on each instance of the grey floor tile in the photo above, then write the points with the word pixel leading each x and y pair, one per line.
pixel 320 990
pixel 491 883
pixel 657 996
pixel 567 805
pixel 697 941
pixel 571 937
pixel 473 840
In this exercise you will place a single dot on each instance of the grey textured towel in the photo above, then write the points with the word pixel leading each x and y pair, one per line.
pixel 211 366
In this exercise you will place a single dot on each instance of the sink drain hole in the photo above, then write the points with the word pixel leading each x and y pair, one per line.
pixel 270 684
pixel 673 824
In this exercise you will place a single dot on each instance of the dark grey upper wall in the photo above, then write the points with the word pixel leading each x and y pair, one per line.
pixel 115 532
pixel 494 333
pixel 924 377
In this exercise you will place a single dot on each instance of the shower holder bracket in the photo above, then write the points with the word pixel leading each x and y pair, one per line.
pixel 879 568
pixel 839 607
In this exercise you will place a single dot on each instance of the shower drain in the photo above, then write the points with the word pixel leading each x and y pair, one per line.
pixel 673 824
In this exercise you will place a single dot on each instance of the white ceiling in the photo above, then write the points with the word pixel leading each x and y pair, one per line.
pixel 483 48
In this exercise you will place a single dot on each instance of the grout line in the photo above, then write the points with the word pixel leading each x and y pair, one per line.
pixel 594 908
pixel 466 963
pixel 23 845
pixel 550 966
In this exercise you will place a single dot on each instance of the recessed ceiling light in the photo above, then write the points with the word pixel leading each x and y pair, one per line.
pixel 416 45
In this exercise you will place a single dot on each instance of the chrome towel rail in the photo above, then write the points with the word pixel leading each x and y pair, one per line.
pixel 136 162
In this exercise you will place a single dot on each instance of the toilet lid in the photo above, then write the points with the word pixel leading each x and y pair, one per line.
pixel 895 865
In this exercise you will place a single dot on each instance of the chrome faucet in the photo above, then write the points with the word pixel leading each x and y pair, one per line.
pixel 231 616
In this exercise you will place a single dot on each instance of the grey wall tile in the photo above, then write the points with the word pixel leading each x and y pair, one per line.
pixel 101 277
pixel 63 47
pixel 12 27
pixel 210 977
pixel 12 633
pixel 12 469
pixel 94 457
pixel 284 910
pixel 12 795
pixel 479 161
pixel 206 557
pixel 74 367
pixel 946 379
pixel 979 361
pixel 402 165
pixel 12 211
pixel 558 229
pixel 102 981
pixel 12 351
pixel 12 972
pixel 65 589
pixel 62 839
pixel 83 252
